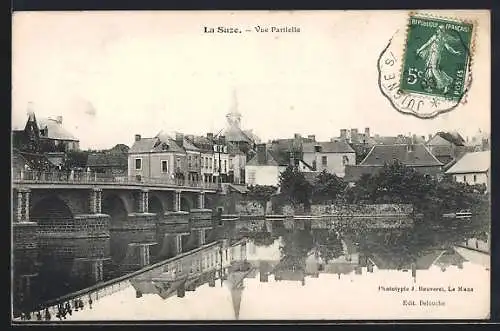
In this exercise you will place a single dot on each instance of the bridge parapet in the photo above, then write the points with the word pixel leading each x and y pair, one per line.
pixel 33 177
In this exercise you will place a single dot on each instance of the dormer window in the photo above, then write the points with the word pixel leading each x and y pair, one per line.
pixel 164 146
pixel 317 148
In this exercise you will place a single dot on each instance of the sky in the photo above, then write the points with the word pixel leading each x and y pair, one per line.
pixel 115 74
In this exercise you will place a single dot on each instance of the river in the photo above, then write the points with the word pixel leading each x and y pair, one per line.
pixel 291 273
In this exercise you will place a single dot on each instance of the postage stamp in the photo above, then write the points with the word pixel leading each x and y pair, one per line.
pixel 426 70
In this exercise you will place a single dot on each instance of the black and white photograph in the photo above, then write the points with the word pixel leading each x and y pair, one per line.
pixel 250 165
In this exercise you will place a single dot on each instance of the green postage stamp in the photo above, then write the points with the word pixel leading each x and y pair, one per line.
pixel 425 71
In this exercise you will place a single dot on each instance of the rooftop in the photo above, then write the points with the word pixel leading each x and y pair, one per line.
pixel 472 162
pixel 328 147
pixel 410 155
pixel 55 129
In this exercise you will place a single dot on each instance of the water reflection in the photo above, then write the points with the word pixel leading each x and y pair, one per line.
pixel 263 262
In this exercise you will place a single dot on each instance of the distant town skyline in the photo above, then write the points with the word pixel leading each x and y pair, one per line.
pixel 140 73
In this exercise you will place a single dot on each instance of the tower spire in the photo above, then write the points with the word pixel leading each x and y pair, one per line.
pixel 234 116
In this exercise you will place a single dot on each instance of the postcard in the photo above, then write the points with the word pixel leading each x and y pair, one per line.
pixel 250 165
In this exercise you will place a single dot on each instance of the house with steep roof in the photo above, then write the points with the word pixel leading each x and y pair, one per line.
pixel 265 167
pixel 473 169
pixel 157 157
pixel 332 156
pixel 52 133
pixel 416 156
pixel 447 146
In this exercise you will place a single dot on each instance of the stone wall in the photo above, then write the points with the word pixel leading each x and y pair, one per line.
pixel 362 209
pixel 81 226
pixel 250 207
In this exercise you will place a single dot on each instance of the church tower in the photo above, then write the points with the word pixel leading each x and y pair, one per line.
pixel 234 116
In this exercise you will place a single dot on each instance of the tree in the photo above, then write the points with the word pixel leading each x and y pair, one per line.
pixel 262 193
pixel 294 186
pixel 327 187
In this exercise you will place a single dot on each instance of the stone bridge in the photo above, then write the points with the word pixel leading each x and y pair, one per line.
pixel 64 208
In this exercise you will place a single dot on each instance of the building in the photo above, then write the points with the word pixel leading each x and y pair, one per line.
pixel 157 157
pixel 479 142
pixel 45 136
pixel 113 162
pixel 193 156
pixel 447 146
pixel 55 137
pixel 265 167
pixel 416 156
pixel 332 156
pixel 52 136
pixel 237 163
pixel 207 153
pixel 473 168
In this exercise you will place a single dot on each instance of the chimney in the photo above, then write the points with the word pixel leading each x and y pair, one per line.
pixel 261 153
pixel 312 137
pixel 137 137
pixel 343 134
pixel 367 132
pixel 59 119
pixel 210 136
pixel 190 137
pixel 179 139
pixel 354 135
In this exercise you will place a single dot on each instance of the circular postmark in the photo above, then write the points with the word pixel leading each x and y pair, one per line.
pixel 424 70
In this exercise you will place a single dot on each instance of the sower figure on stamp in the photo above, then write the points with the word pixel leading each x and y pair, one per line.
pixel 432 52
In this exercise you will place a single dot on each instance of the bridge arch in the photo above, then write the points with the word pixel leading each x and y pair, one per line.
pixel 51 210
pixel 115 206
pixel 186 203
pixel 155 205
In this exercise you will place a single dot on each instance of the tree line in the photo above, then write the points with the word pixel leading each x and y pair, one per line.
pixel 394 183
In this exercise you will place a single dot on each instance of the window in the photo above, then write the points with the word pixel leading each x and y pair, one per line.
pixel 215 164
pixel 465 179
pixel 164 165
pixel 138 164
pixel 475 178
pixel 225 165
pixel 324 160
pixel 189 161
pixel 314 165
pixel 345 160
pixel 210 163
pixel 230 163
